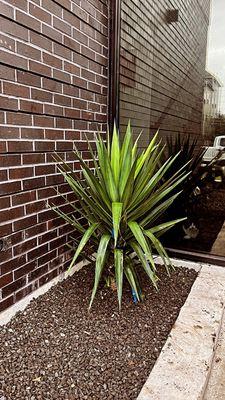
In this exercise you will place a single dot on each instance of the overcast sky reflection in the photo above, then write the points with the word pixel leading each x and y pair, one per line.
pixel 216 45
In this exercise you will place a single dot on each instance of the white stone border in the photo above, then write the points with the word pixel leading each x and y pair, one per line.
pixel 183 368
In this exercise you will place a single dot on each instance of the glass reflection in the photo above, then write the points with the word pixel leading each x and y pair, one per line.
pixel 172 71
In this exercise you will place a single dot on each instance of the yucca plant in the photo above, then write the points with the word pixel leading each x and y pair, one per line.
pixel 190 158
pixel 189 155
pixel 122 199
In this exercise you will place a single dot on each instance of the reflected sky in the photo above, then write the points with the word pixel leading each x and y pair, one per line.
pixel 216 45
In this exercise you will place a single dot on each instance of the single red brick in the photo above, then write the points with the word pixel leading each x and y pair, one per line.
pixel 52 86
pixel 72 19
pixel 43 120
pixel 88 30
pixel 23 292
pixel 94 87
pixel 15 238
pixel 7 72
pixel 7 103
pixel 62 26
pixel 72 44
pixel 52 7
pixel 12 287
pixel 23 248
pixel 102 80
pixel 6 303
pixel 80 37
pixel 41 95
pixel 64 145
pixel 52 33
pixel 64 123
pixel 79 12
pixel 62 51
pixel 37 40
pixel 44 146
pixel 46 216
pixel 85 94
pixel 53 110
pixel 72 135
pixel 95 46
pixel 7 42
pixel 72 68
pixel 13 264
pixel 80 60
pixel 87 115
pixel 28 21
pixel 10 160
pixel 6 279
pixel 45 193
pixel 6 255
pixel 82 83
pixel 37 272
pixel 39 68
pixel 54 134
pixel 37 252
pixel 28 78
pixel 54 180
pixel 32 133
pixel 18 119
pixel 101 117
pixel 33 158
pixel 70 90
pixel 62 76
pixel 40 14
pixel 5 229
pixel 28 51
pixel 47 277
pixel 35 207
pixel 2 146
pixel 31 106
pixel 11 214
pixel 35 230
pixel 101 60
pixel 47 257
pixel 45 170
pixel 79 103
pixel 19 173
pixel 22 198
pixel 50 235
pixel 4 202
pixel 30 184
pixel 93 66
pixel 72 113
pixel 62 100
pixel 7 10
pixel 21 146
pixel 52 60
pixel 25 222
pixel 22 4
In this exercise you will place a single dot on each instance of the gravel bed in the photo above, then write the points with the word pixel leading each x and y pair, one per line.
pixel 55 349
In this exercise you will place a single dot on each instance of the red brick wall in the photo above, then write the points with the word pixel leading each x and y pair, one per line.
pixel 53 70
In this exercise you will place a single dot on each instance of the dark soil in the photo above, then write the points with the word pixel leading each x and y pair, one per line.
pixel 208 216
pixel 55 349
pixel 208 232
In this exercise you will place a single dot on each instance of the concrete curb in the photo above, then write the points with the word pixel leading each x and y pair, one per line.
pixel 183 368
